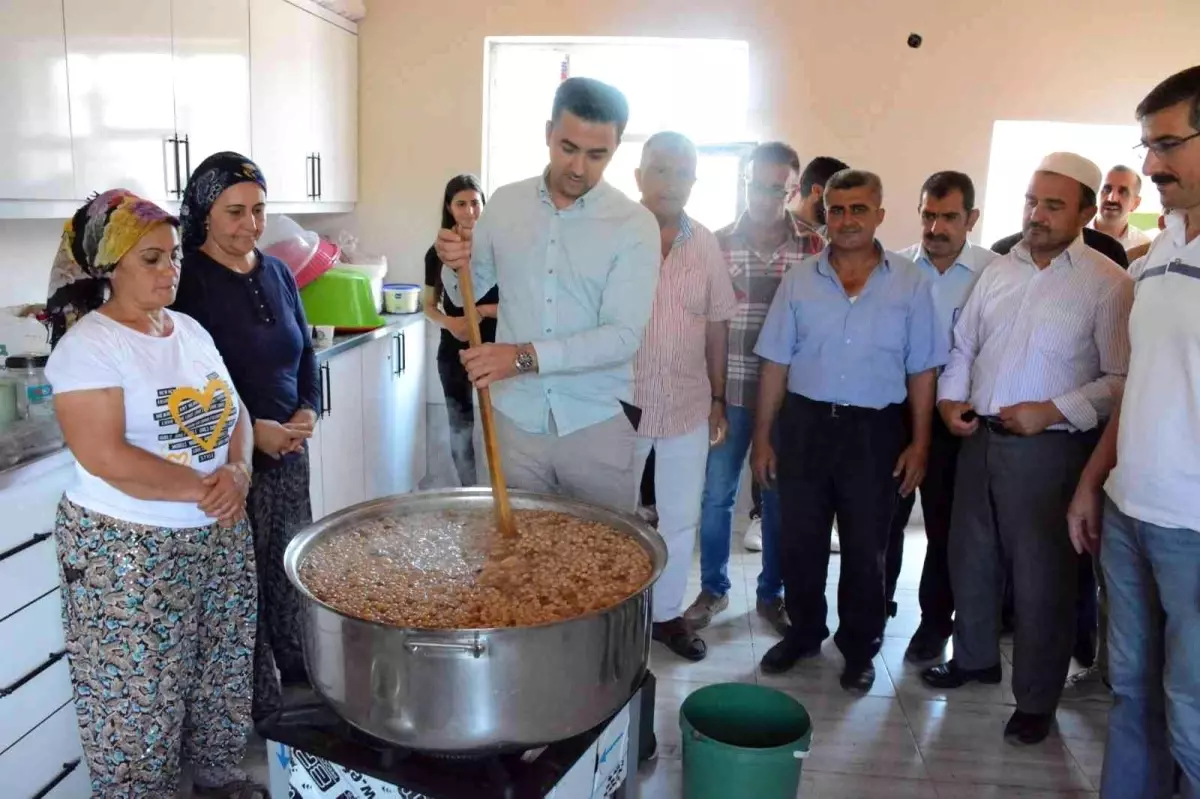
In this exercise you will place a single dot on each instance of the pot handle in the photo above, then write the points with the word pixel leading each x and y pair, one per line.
pixel 476 647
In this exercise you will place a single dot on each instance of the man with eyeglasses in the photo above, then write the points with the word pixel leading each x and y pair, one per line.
pixel 764 244
pixel 850 345
pixel 1147 529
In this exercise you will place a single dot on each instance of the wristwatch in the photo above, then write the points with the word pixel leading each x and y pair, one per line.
pixel 525 362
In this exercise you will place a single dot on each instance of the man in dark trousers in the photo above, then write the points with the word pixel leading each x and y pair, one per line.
pixel 1039 359
pixel 850 335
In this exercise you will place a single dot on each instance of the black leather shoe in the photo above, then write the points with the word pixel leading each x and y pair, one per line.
pixel 925 646
pixel 950 675
pixel 787 653
pixel 679 638
pixel 1028 728
pixel 857 678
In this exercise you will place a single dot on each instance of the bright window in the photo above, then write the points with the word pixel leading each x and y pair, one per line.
pixel 697 87
pixel 1019 146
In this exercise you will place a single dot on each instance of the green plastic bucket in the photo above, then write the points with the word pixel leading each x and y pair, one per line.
pixel 742 741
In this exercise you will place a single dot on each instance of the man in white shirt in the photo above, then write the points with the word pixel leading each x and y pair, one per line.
pixel 1040 354
pixel 1149 543
pixel 948 215
pixel 1120 196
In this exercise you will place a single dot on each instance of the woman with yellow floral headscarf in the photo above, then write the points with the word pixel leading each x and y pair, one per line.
pixel 156 558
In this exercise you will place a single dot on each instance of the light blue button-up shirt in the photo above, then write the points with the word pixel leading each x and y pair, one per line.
pixel 854 352
pixel 952 287
pixel 578 284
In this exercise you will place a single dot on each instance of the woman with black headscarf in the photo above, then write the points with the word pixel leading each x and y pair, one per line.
pixel 249 303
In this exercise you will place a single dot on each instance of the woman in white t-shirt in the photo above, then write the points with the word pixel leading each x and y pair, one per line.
pixel 156 556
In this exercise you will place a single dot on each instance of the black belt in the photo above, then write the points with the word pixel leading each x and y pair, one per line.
pixel 835 410
pixel 994 425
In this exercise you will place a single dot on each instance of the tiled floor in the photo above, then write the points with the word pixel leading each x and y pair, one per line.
pixel 903 739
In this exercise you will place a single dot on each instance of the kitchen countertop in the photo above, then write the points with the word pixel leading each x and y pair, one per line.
pixel 348 341
pixel 34 467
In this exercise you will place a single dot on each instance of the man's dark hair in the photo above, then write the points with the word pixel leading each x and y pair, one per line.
pixel 593 101
pixel 1131 171
pixel 818 172
pixel 940 184
pixel 1182 87
pixel 776 152
pixel 854 179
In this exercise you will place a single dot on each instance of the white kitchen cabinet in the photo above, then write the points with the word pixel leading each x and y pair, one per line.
pixel 385 465
pixel 342 459
pixel 316 484
pixel 122 99
pixel 35 139
pixel 304 98
pixel 335 113
pixel 410 405
pixel 211 41
pixel 281 92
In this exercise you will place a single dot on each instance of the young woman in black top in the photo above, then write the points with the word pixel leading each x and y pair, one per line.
pixel 462 203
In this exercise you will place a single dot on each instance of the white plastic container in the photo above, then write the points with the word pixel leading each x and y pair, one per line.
pixel 400 298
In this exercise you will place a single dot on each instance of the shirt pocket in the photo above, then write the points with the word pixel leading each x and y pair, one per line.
pixel 889 328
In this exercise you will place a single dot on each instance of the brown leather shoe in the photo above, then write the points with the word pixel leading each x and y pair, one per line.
pixel 677 636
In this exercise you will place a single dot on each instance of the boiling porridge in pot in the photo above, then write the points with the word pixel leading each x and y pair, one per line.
pixel 453 570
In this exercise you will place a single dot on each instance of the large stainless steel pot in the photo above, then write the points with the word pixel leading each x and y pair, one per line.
pixel 476 690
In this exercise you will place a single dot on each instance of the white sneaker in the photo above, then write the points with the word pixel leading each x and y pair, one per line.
pixel 835 541
pixel 753 540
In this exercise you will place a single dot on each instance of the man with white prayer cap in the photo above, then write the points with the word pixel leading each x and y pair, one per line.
pixel 1039 358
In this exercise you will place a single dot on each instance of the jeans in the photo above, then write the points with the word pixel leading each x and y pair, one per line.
pixel 1152 577
pixel 722 477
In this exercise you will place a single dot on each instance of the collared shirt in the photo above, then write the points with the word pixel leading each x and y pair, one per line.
pixel 1032 335
pixel 755 279
pixel 952 287
pixel 578 284
pixel 671 369
pixel 853 351
pixel 1158 461
pixel 1130 238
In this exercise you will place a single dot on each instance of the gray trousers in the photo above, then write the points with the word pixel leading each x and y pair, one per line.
pixel 596 464
pixel 1010 504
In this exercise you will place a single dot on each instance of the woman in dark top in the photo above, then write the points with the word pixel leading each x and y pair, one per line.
pixel 249 304
pixel 461 206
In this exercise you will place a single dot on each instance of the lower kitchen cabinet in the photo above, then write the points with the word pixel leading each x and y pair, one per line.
pixel 370 441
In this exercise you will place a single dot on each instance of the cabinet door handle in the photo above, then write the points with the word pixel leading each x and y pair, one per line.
pixel 187 160
pixel 403 358
pixel 327 390
pixel 320 176
pixel 310 178
pixel 33 541
pixel 58 778
pixel 12 687
pixel 396 349
pixel 175 190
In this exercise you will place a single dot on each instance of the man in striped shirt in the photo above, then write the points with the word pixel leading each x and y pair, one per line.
pixel 759 248
pixel 1040 355
pixel 678 370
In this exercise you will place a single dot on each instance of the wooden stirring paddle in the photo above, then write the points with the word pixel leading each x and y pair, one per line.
pixel 504 515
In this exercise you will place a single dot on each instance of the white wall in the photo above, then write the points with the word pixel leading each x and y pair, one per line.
pixel 832 76
pixel 27 250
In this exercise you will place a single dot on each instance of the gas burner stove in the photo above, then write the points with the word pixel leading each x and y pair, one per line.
pixel 314 754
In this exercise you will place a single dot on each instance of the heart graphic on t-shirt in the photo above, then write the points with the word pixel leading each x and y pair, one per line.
pixel 205 399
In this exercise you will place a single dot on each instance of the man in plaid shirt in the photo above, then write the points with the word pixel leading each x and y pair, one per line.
pixel 760 247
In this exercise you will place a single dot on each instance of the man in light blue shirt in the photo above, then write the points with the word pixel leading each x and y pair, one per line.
pixel 953 264
pixel 851 335
pixel 576 262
